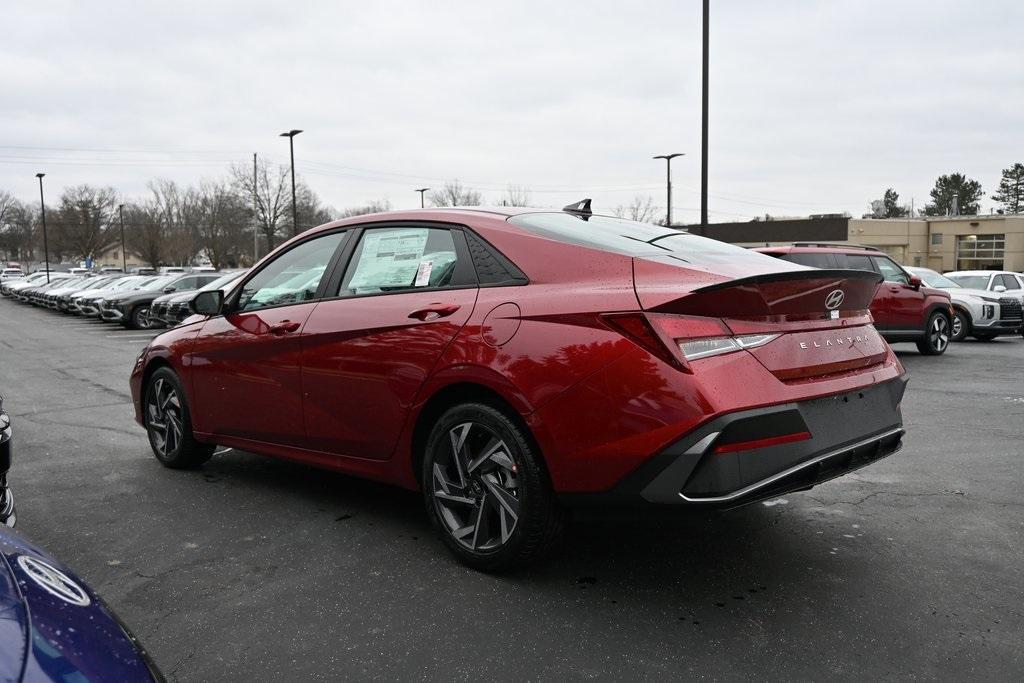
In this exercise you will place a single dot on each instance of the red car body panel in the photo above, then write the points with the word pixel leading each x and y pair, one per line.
pixel 346 390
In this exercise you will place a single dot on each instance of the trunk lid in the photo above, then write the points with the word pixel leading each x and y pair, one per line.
pixel 822 317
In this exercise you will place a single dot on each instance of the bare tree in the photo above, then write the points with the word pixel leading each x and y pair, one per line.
pixel 515 195
pixel 223 222
pixel 144 232
pixel 454 194
pixel 177 211
pixel 17 227
pixel 641 209
pixel 271 193
pixel 82 222
pixel 311 212
pixel 374 206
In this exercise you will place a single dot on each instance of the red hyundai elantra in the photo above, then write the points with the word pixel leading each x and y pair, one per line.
pixel 511 363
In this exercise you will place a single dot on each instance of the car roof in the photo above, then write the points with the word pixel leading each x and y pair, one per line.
pixel 981 272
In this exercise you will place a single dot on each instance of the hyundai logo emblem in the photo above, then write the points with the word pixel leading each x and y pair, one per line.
pixel 834 299
pixel 53 581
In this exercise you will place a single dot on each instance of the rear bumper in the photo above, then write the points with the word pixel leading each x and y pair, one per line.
pixel 711 468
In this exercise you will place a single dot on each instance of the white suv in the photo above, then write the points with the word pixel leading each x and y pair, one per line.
pixel 977 312
pixel 1008 286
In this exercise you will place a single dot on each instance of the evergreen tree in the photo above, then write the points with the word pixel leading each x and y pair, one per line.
pixel 1010 195
pixel 968 193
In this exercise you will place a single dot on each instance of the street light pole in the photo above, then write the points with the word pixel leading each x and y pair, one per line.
pixel 42 207
pixel 421 191
pixel 124 254
pixel 704 128
pixel 295 209
pixel 668 183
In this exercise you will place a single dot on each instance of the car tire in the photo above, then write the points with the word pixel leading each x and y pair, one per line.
pixel 168 423
pixel 487 492
pixel 961 328
pixel 138 319
pixel 936 335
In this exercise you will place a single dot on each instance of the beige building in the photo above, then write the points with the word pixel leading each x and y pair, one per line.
pixel 956 243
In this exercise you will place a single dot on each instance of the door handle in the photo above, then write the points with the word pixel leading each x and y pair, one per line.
pixel 894 289
pixel 284 327
pixel 434 311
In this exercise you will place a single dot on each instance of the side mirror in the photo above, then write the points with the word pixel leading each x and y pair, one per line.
pixel 168 290
pixel 207 303
pixel 999 288
pixel 915 282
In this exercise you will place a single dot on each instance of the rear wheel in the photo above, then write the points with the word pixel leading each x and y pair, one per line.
pixel 961 326
pixel 169 423
pixel 936 336
pixel 486 491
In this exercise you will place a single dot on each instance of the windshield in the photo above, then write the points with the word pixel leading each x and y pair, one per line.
pixel 125 283
pixel 971 281
pixel 933 279
pixel 159 282
pixel 629 237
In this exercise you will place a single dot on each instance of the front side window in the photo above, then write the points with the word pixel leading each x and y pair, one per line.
pixel 292 277
pixel 890 271
pixel 402 259
pixel 1009 281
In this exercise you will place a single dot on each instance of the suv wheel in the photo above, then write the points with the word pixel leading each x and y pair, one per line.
pixel 961 326
pixel 936 336
pixel 486 491
pixel 139 318
pixel 169 423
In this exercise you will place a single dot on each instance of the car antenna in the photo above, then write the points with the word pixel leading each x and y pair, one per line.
pixel 580 208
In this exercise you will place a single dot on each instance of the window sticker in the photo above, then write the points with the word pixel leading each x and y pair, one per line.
pixel 389 259
pixel 423 274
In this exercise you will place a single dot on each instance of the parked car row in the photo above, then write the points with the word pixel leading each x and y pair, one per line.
pixel 134 301
pixel 919 304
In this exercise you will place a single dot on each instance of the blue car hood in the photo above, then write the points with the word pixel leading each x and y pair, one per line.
pixel 53 627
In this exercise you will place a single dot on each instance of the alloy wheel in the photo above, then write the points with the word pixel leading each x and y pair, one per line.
pixel 474 487
pixel 939 333
pixel 142 318
pixel 958 326
pixel 163 417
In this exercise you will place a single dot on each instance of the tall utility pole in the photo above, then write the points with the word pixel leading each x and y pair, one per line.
pixel 295 209
pixel 668 183
pixel 421 190
pixel 255 215
pixel 704 128
pixel 124 254
pixel 46 246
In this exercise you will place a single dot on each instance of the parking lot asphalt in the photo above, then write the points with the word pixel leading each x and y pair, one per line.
pixel 255 569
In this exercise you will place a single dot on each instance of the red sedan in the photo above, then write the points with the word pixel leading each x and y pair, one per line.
pixel 512 363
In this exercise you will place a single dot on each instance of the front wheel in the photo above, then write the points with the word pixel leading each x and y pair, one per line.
pixel 936 336
pixel 169 423
pixel 139 318
pixel 487 492
pixel 961 326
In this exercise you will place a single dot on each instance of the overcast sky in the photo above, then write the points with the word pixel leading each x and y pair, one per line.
pixel 816 106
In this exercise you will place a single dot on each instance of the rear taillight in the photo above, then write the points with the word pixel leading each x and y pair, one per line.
pixel 678 339
pixel 702 348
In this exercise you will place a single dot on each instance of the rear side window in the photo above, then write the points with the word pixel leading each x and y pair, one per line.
pixel 391 260
pixel 812 260
pixel 857 262
pixel 631 238
pixel 492 267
